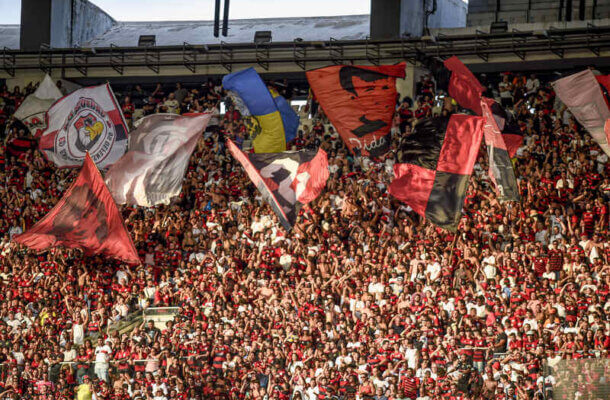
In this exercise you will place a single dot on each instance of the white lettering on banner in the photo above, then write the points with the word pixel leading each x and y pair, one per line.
pixel 377 142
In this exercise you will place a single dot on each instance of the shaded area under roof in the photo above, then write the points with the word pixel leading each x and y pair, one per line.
pixel 240 31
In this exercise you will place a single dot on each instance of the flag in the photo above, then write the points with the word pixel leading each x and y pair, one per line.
pixel 435 165
pixel 87 120
pixel 359 101
pixel 85 218
pixel 501 169
pixel 151 172
pixel 32 110
pixel 582 95
pixel 286 180
pixel 508 126
pixel 19 145
pixel 464 87
pixel 274 122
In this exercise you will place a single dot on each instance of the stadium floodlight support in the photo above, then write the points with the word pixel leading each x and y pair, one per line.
pixel 225 19
pixel 216 18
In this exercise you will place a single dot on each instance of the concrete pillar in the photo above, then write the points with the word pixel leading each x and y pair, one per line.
pixel 35 24
pixel 406 87
pixel 385 19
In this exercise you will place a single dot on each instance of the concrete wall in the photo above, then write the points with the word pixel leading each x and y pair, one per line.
pixel 89 21
pixel 449 14
pixel 61 23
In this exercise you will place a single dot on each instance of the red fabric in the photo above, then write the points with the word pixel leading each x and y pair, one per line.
pixel 311 178
pixel 464 87
pixel 493 137
pixel 604 80
pixel 86 218
pixel 360 102
pixel 607 130
pixel 461 144
pixel 412 184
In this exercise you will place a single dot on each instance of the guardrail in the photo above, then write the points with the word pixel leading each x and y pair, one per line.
pixel 310 54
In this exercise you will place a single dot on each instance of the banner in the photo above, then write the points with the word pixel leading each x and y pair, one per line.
pixel 32 110
pixel 273 122
pixel 286 180
pixel 582 95
pixel 151 172
pixel 359 101
pixel 436 162
pixel 501 169
pixel 464 87
pixel 85 218
pixel 87 120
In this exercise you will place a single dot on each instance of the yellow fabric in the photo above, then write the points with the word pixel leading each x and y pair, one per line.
pixel 271 138
pixel 83 392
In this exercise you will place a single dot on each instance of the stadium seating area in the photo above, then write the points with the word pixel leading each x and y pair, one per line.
pixel 362 300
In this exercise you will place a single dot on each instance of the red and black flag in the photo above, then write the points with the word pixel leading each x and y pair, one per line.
pixel 464 87
pixel 287 180
pixel 85 218
pixel 17 146
pixel 501 169
pixel 435 165
pixel 359 101
pixel 508 126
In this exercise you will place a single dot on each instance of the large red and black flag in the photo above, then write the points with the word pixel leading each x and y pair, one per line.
pixel 508 126
pixel 435 165
pixel 359 101
pixel 501 169
pixel 86 218
pixel 287 180
pixel 464 87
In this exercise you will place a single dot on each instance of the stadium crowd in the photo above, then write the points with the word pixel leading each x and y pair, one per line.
pixel 362 300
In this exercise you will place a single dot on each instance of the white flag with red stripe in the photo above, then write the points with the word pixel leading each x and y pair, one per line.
pixel 87 120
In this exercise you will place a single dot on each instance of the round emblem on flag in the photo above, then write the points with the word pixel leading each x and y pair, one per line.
pixel 87 128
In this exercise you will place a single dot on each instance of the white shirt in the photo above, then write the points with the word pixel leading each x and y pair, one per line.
pixel 102 354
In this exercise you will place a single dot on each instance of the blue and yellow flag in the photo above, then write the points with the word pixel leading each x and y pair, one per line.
pixel 275 122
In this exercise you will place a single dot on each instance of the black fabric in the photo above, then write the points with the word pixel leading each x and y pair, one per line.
pixel 423 146
pixel 278 173
pixel 504 176
pixel 444 206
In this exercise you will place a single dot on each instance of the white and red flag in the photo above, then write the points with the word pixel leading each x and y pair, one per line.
pixel 584 98
pixel 151 172
pixel 87 120
pixel 32 110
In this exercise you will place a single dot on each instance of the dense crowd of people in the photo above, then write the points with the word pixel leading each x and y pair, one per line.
pixel 363 299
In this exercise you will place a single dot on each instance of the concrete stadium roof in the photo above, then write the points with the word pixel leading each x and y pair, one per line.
pixel 201 32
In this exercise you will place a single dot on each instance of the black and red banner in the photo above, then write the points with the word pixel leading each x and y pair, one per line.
pixel 464 87
pixel 359 101
pixel 501 169
pixel 286 180
pixel 86 218
pixel 508 125
pixel 436 163
pixel 20 145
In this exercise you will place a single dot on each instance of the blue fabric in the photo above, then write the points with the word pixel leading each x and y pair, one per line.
pixel 252 90
pixel 290 119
